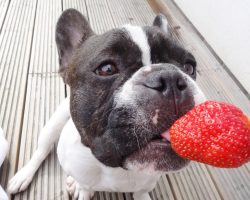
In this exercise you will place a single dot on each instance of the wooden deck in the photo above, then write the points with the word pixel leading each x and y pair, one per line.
pixel 31 89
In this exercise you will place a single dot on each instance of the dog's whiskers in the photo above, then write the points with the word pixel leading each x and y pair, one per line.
pixel 137 139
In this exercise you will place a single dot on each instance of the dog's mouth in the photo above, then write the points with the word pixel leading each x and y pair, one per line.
pixel 156 155
pixel 162 140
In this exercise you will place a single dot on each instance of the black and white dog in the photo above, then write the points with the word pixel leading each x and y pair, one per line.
pixel 127 87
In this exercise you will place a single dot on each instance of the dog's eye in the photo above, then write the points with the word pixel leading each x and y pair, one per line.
pixel 106 69
pixel 188 68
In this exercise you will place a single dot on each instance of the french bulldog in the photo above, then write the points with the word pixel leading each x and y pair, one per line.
pixel 3 151
pixel 127 87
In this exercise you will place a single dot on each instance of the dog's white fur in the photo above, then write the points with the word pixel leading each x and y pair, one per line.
pixel 3 152
pixel 140 39
pixel 88 173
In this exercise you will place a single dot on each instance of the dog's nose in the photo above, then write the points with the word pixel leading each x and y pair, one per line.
pixel 166 82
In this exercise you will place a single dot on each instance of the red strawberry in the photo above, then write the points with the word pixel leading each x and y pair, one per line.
pixel 214 133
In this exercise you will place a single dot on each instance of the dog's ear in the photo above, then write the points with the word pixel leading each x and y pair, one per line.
pixel 72 29
pixel 162 22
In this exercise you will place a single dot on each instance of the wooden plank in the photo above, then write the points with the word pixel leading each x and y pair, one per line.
pixel 99 15
pixel 162 190
pixel 136 12
pixel 45 90
pixel 80 5
pixel 4 4
pixel 15 43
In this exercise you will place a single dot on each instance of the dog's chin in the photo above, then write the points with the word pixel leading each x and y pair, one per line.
pixel 156 156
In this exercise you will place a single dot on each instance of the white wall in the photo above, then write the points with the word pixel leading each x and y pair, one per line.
pixel 225 24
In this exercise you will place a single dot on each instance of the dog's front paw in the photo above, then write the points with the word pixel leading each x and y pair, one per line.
pixel 76 191
pixel 21 180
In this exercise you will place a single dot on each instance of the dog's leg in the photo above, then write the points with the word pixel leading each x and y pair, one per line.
pixel 49 135
pixel 3 152
pixel 141 196
pixel 76 191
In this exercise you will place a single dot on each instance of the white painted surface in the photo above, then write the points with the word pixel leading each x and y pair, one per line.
pixel 225 24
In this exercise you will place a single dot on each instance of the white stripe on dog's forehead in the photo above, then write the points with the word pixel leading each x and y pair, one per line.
pixel 140 39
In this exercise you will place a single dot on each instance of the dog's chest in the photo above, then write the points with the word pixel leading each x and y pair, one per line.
pixel 78 162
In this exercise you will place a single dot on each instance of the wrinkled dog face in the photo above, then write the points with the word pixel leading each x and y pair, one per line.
pixel 128 86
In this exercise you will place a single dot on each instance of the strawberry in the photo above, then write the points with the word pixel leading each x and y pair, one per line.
pixel 215 133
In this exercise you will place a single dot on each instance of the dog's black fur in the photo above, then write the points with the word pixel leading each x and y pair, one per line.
pixel 112 132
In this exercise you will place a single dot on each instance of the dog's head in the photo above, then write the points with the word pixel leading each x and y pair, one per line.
pixel 127 87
